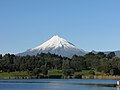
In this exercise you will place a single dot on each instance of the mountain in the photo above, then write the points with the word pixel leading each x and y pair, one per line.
pixel 55 45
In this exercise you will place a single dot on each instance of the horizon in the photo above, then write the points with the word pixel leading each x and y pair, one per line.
pixel 64 39
pixel 89 25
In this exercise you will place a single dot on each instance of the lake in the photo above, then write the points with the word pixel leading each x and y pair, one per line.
pixel 56 84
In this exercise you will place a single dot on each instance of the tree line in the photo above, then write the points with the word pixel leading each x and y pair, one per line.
pixel 41 63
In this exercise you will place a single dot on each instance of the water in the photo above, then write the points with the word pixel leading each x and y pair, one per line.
pixel 55 84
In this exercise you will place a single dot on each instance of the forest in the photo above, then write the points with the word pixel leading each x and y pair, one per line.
pixel 42 63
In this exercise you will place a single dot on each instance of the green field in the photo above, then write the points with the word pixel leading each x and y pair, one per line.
pixel 55 72
pixel 13 74
pixel 50 72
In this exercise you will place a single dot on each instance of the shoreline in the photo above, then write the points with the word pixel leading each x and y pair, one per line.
pixel 61 77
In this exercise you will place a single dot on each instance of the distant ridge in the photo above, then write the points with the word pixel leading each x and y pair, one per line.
pixel 117 53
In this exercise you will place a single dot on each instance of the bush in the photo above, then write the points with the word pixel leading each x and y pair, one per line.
pixel 78 76
pixel 55 76
pixel 68 72
pixel 36 71
pixel 91 72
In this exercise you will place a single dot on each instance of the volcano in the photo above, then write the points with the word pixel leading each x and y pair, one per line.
pixel 55 45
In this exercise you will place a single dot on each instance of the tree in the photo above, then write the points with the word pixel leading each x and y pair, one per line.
pixel 78 63
pixel 105 66
pixel 44 70
pixel 92 61
pixel 101 55
pixel 91 72
pixel 115 71
pixel 0 56
pixel 36 71
pixel 68 72
pixel 111 55
pixel 66 64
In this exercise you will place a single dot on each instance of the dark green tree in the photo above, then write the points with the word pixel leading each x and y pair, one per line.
pixel 78 63
pixel 0 56
pixel 44 70
pixel 111 55
pixel 101 55
pixel 36 71
pixel 68 72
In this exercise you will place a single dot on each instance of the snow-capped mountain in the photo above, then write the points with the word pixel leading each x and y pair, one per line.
pixel 55 45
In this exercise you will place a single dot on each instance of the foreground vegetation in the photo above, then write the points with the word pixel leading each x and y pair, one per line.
pixel 51 65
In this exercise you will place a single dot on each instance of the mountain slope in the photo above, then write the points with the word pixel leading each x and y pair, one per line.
pixel 55 45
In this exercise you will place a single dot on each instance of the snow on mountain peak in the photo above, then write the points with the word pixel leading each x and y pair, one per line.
pixel 56 37
pixel 54 42
pixel 56 45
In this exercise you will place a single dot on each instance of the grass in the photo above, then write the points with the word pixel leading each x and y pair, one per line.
pixel 59 72
pixel 50 72
pixel 83 72
pixel 25 74
pixel 87 72
pixel 13 74
pixel 55 72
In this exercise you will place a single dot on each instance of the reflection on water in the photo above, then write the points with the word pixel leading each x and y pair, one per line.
pixel 118 88
pixel 57 84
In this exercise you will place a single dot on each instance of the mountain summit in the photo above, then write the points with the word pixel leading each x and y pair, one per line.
pixel 55 45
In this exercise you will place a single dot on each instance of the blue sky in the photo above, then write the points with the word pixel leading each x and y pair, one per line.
pixel 88 24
